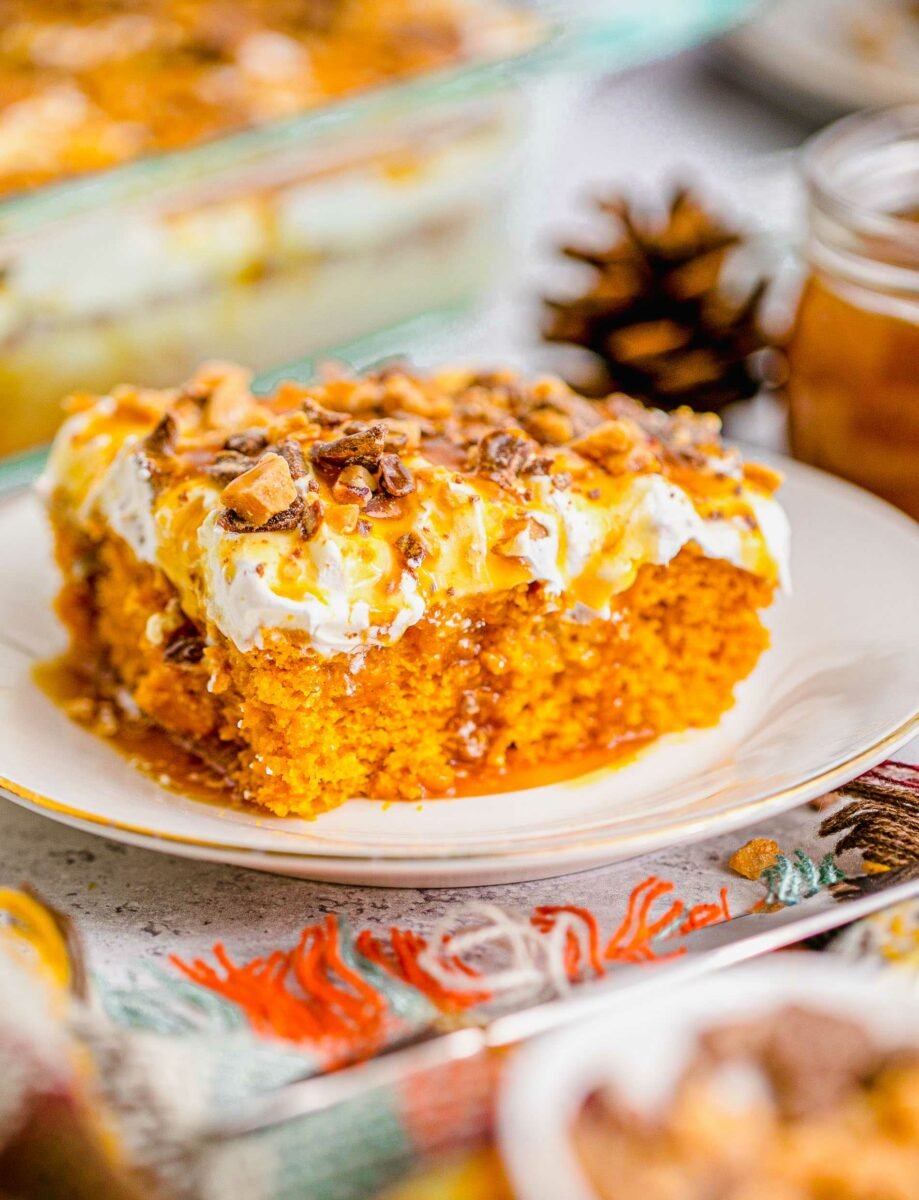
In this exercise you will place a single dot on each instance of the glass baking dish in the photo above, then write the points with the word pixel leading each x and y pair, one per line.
pixel 299 235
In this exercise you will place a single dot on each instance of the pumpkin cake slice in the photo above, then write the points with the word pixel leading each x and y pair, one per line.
pixel 391 585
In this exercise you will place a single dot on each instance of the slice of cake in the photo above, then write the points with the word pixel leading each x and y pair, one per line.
pixel 392 586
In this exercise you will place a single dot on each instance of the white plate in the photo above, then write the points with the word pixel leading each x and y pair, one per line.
pixel 643 1045
pixel 836 694
pixel 809 54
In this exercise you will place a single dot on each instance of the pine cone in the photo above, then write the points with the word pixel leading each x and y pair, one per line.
pixel 654 315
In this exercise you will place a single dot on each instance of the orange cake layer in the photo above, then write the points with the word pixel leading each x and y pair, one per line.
pixel 384 586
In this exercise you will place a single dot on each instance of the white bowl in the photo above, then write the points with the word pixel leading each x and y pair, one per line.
pixel 644 1045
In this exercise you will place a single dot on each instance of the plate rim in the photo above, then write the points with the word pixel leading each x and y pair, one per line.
pixel 633 844
pixel 557 850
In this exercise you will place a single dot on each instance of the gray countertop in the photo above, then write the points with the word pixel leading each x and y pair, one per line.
pixel 132 904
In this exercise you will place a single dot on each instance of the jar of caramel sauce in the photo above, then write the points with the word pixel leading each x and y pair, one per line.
pixel 854 351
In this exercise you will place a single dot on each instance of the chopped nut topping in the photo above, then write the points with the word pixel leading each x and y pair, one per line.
pixel 232 522
pixel 290 451
pixel 326 418
pixel 363 448
pixel 311 519
pixel 250 442
pixel 184 648
pixel 349 440
pixel 538 465
pixel 383 507
pixel 503 454
pixel 412 549
pixel 262 492
pixel 354 485
pixel 228 466
pixel 395 477
pixel 163 438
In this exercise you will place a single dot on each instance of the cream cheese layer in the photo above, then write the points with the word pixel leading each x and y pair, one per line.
pixel 348 588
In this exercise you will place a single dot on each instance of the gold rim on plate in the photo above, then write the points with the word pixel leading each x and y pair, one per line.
pixel 723 822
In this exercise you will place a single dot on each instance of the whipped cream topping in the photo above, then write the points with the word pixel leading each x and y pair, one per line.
pixel 348 590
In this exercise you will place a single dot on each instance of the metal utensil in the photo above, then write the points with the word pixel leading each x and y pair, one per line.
pixel 710 949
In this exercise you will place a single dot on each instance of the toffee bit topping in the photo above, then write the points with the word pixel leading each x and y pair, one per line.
pixel 230 400
pixel 502 455
pixel 290 451
pixel 412 549
pixel 618 446
pixel 383 508
pixel 363 448
pixel 184 648
pixel 754 857
pixel 761 476
pixel 311 520
pixel 228 466
pixel 195 392
pixel 353 486
pixel 163 438
pixel 249 442
pixel 343 518
pixel 326 418
pixel 232 522
pixel 550 426
pixel 395 477
pixel 264 491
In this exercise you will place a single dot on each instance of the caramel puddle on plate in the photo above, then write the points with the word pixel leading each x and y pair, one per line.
pixel 516 777
pixel 167 763
pixel 146 747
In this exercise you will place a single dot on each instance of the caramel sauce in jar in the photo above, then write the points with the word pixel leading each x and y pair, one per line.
pixel 854 392
pixel 853 381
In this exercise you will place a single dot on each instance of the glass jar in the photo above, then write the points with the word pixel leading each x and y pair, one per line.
pixel 854 351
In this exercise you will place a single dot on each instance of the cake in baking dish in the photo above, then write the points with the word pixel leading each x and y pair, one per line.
pixel 390 584
pixel 90 85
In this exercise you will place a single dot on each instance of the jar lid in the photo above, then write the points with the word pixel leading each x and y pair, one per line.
pixel 862 175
